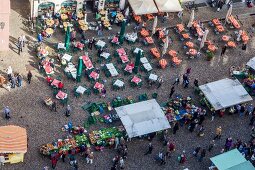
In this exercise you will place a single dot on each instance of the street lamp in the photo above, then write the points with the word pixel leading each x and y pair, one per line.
pixel 2 24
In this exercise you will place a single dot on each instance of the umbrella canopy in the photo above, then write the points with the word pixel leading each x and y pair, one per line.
pixel 137 61
pixel 122 4
pixel 229 13
pixel 85 17
pixel 106 14
pixel 191 19
pixel 127 12
pixel 202 44
pixel 168 5
pixel 79 70
pixel 122 32
pixel 141 7
pixel 155 22
pixel 67 38
pixel 165 45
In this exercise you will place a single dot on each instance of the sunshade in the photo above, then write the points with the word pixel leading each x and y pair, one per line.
pixel 251 63
pixel 168 5
pixel 228 159
pixel 141 7
pixel 229 12
pixel 225 93
pixel 204 38
pixel 191 19
pixel 13 139
pixel 142 118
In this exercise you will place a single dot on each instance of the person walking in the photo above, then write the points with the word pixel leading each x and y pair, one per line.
pixel 211 145
pixel 196 151
pixel 63 156
pixel 13 82
pixel 218 133
pixel 170 148
pixel 54 161
pixel 176 127
pixel 177 81
pixel 20 44
pixel 39 38
pixel 117 142
pixel 54 106
pixel 160 81
pixel 90 158
pixel 249 109
pixel 19 79
pixel 186 83
pixel 23 40
pixel 182 158
pixel 171 92
pixel 223 50
pixel 7 112
pixel 242 110
pixel 150 148
pixel 201 131
pixel 196 82
pixel 68 110
pixel 202 155
pixel 29 77
pixel 213 115
pixel 252 120
pixel 188 71
pixel 121 163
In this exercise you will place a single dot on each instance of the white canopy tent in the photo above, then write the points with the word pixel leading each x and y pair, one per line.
pixel 251 63
pixel 225 93
pixel 168 5
pixel 142 118
pixel 141 7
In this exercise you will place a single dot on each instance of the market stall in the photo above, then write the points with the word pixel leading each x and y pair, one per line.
pixel 141 7
pixel 231 160
pixel 251 64
pixel 224 93
pixel 46 7
pixel 142 118
pixel 104 136
pixel 68 7
pixel 179 108
pixel 168 5
pixel 13 144
pixel 74 141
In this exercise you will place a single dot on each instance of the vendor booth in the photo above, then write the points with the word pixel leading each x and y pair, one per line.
pixel 224 93
pixel 142 118
pixel 46 7
pixel 141 7
pixel 68 6
pixel 251 64
pixel 231 160
pixel 168 5
pixel 13 144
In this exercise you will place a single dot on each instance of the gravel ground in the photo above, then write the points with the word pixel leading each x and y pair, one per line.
pixel 44 126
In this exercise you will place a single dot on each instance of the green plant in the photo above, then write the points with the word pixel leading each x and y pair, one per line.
pixel 210 56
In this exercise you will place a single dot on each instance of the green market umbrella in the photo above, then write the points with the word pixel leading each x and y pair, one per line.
pixel 137 61
pixel 79 70
pixel 67 38
pixel 122 32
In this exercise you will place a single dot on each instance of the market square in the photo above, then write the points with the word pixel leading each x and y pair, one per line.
pixel 119 87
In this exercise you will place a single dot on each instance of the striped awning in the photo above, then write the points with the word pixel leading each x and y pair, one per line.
pixel 13 139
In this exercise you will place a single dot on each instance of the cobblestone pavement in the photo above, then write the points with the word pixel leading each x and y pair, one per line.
pixel 44 126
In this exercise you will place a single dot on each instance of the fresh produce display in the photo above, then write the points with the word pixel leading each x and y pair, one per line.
pixel 101 137
pixel 63 145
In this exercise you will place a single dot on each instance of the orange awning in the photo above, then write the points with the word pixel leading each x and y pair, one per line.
pixel 13 139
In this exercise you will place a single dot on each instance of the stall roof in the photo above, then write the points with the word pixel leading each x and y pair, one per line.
pixel 13 139
pixel 142 118
pixel 245 165
pixel 168 5
pixel 141 7
pixel 230 160
pixel 251 63
pixel 225 93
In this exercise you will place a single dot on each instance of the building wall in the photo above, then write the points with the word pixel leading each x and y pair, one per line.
pixel 4 17
pixel 35 4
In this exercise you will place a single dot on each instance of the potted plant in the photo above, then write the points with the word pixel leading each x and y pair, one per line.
pixel 210 55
